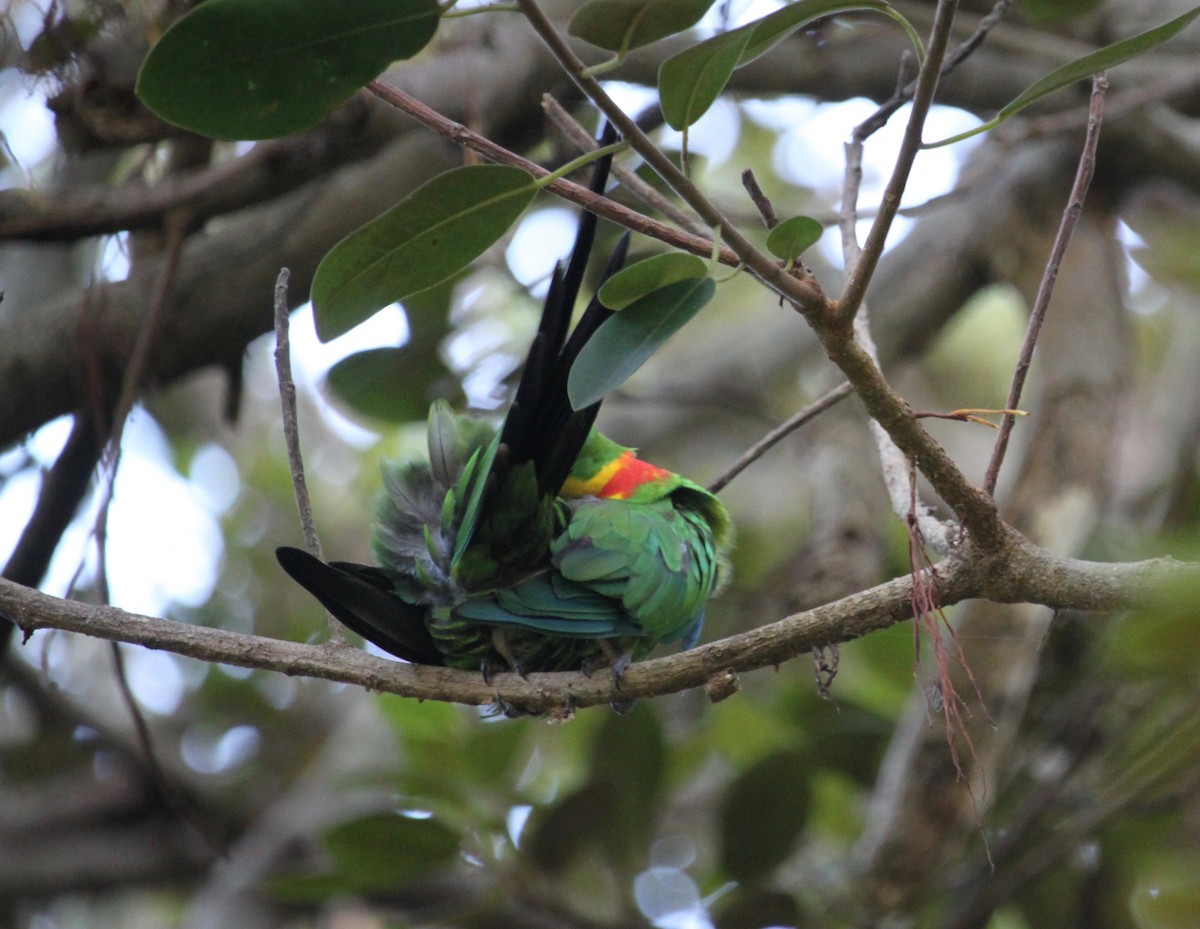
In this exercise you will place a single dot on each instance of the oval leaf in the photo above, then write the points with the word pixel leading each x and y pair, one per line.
pixel 793 237
pixel 623 25
pixel 638 280
pixel 257 69
pixel 1108 57
pixel 437 230
pixel 626 340
pixel 762 814
pixel 689 82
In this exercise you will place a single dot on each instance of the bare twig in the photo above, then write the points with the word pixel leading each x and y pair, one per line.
pixel 175 230
pixel 976 509
pixel 568 190
pixel 567 124
pixel 291 433
pixel 954 58
pixel 898 469
pixel 804 294
pixel 1037 315
pixel 863 270
pixel 776 435
pixel 761 201
pixel 287 401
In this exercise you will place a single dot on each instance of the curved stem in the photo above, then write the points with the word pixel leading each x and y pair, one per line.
pixel 927 81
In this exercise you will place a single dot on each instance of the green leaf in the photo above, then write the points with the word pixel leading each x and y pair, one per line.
pixel 623 25
pixel 382 382
pixel 380 851
pixel 373 855
pixel 629 756
pixel 638 280
pixel 762 814
pixel 437 230
pixel 1081 68
pixel 257 69
pixel 1108 57
pixel 626 340
pixel 690 81
pixel 396 384
pixel 793 237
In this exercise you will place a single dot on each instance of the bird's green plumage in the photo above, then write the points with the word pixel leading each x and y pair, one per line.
pixel 543 545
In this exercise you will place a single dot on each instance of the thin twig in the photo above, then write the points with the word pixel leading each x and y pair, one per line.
pixel 630 180
pixel 175 228
pixel 776 435
pixel 804 294
pixel 169 792
pixel 568 190
pixel 848 215
pixel 761 201
pixel 1041 304
pixel 897 469
pixel 863 270
pixel 291 433
pixel 954 58
pixel 976 509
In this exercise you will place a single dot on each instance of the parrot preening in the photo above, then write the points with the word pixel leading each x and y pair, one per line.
pixel 543 546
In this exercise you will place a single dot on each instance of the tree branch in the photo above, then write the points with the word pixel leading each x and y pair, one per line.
pixel 1062 239
pixel 1022 573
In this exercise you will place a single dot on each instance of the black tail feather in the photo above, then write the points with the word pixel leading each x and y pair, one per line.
pixel 362 599
pixel 541 426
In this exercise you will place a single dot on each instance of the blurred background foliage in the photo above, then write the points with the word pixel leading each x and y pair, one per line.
pixel 278 801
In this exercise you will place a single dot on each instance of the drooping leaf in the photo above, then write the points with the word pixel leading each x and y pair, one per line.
pixel 626 340
pixel 258 69
pixel 690 81
pixel 435 231
pixel 762 814
pixel 638 280
pixel 623 25
pixel 1081 68
pixel 793 237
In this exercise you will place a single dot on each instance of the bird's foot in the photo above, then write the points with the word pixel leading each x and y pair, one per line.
pixel 501 647
pixel 618 660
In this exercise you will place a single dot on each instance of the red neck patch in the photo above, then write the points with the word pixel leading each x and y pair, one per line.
pixel 631 473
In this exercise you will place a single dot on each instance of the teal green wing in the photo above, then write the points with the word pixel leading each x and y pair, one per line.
pixel 658 560
pixel 549 602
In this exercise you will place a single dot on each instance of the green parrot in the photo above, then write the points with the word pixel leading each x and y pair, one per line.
pixel 543 546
